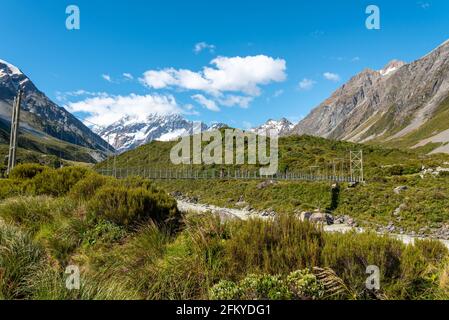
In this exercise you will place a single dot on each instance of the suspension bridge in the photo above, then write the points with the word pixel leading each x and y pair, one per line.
pixel 339 170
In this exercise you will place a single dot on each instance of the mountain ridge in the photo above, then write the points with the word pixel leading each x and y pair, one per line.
pixel 41 116
pixel 389 106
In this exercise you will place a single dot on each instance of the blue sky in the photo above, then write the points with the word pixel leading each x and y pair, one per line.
pixel 281 44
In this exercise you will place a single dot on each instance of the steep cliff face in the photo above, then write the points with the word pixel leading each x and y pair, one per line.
pixel 396 103
pixel 40 116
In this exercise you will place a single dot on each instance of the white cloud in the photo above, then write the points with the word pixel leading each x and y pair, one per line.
pixel 234 81
pixel 205 102
pixel 106 109
pixel 235 74
pixel 65 96
pixel 355 59
pixel 200 46
pixel 331 76
pixel 128 76
pixel 106 77
pixel 233 100
pixel 306 84
pixel 278 93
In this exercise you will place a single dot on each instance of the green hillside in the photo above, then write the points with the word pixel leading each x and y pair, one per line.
pixel 296 154
pixel 423 205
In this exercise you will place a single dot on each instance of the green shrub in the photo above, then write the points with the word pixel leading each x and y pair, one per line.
pixel 103 232
pixel 304 285
pixel 264 287
pixel 56 182
pixel 86 188
pixel 225 290
pixel 127 207
pixel 300 284
pixel 26 171
pixel 11 188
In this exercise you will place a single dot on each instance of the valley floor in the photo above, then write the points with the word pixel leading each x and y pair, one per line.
pixel 244 214
pixel 129 240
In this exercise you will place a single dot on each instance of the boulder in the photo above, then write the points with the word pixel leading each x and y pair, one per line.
pixel 304 216
pixel 352 184
pixel 399 189
pixel 399 209
pixel 345 220
pixel 268 213
pixel 265 184
pixel 321 217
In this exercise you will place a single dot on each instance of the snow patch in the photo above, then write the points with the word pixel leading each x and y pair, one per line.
pixel 13 70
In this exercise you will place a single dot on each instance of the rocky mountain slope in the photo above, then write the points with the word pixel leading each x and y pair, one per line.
pixel 401 105
pixel 41 117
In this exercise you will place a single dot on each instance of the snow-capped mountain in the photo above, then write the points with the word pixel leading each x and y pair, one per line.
pixel 217 126
pixel 129 133
pixel 40 116
pixel 282 127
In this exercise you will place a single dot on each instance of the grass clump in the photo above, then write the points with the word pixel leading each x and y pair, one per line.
pixel 31 212
pixel 20 257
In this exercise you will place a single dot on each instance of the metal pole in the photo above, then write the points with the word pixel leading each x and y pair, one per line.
pixel 14 131
pixel 11 136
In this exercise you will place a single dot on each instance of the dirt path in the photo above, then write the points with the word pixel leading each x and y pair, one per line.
pixel 227 213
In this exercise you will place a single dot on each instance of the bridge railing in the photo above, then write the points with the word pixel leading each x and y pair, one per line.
pixel 226 174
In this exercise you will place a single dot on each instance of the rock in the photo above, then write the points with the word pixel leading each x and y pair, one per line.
pixel 321 217
pixel 390 227
pixel 399 209
pixel 248 208
pixel 268 213
pixel 304 216
pixel 241 204
pixel 265 184
pixel 193 200
pixel 345 220
pixel 176 194
pixel 399 189
pixel 225 216
pixel 352 184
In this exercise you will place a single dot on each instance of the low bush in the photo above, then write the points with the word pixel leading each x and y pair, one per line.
pixel 300 284
pixel 26 171
pixel 86 188
pixel 11 188
pixel 56 182
pixel 129 207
